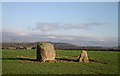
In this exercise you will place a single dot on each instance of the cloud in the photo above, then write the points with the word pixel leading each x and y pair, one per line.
pixel 10 36
pixel 67 38
pixel 51 37
pixel 47 26
pixel 44 26
pixel 85 25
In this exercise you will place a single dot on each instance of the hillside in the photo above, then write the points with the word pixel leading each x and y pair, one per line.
pixel 59 46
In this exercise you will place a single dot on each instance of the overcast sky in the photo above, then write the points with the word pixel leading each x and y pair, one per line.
pixel 80 23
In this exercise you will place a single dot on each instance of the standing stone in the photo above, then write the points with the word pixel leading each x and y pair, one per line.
pixel 45 51
pixel 83 57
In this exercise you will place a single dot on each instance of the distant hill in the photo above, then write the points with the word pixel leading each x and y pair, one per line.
pixel 34 44
pixel 65 46
pixel 59 46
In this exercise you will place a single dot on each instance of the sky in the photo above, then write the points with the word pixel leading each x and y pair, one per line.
pixel 80 23
pixel 60 0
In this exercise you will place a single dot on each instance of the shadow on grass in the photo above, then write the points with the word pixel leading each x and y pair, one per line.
pixel 57 59
pixel 28 59
pixel 65 59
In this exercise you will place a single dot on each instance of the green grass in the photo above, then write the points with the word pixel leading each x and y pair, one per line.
pixel 12 64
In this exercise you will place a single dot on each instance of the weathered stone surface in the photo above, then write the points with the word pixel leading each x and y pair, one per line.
pixel 83 57
pixel 45 51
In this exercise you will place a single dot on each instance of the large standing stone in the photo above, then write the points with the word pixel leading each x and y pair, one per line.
pixel 45 51
pixel 83 57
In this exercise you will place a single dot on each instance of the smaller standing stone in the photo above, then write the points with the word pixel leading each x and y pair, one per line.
pixel 83 57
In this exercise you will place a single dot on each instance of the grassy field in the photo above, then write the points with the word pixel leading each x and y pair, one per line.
pixel 23 62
